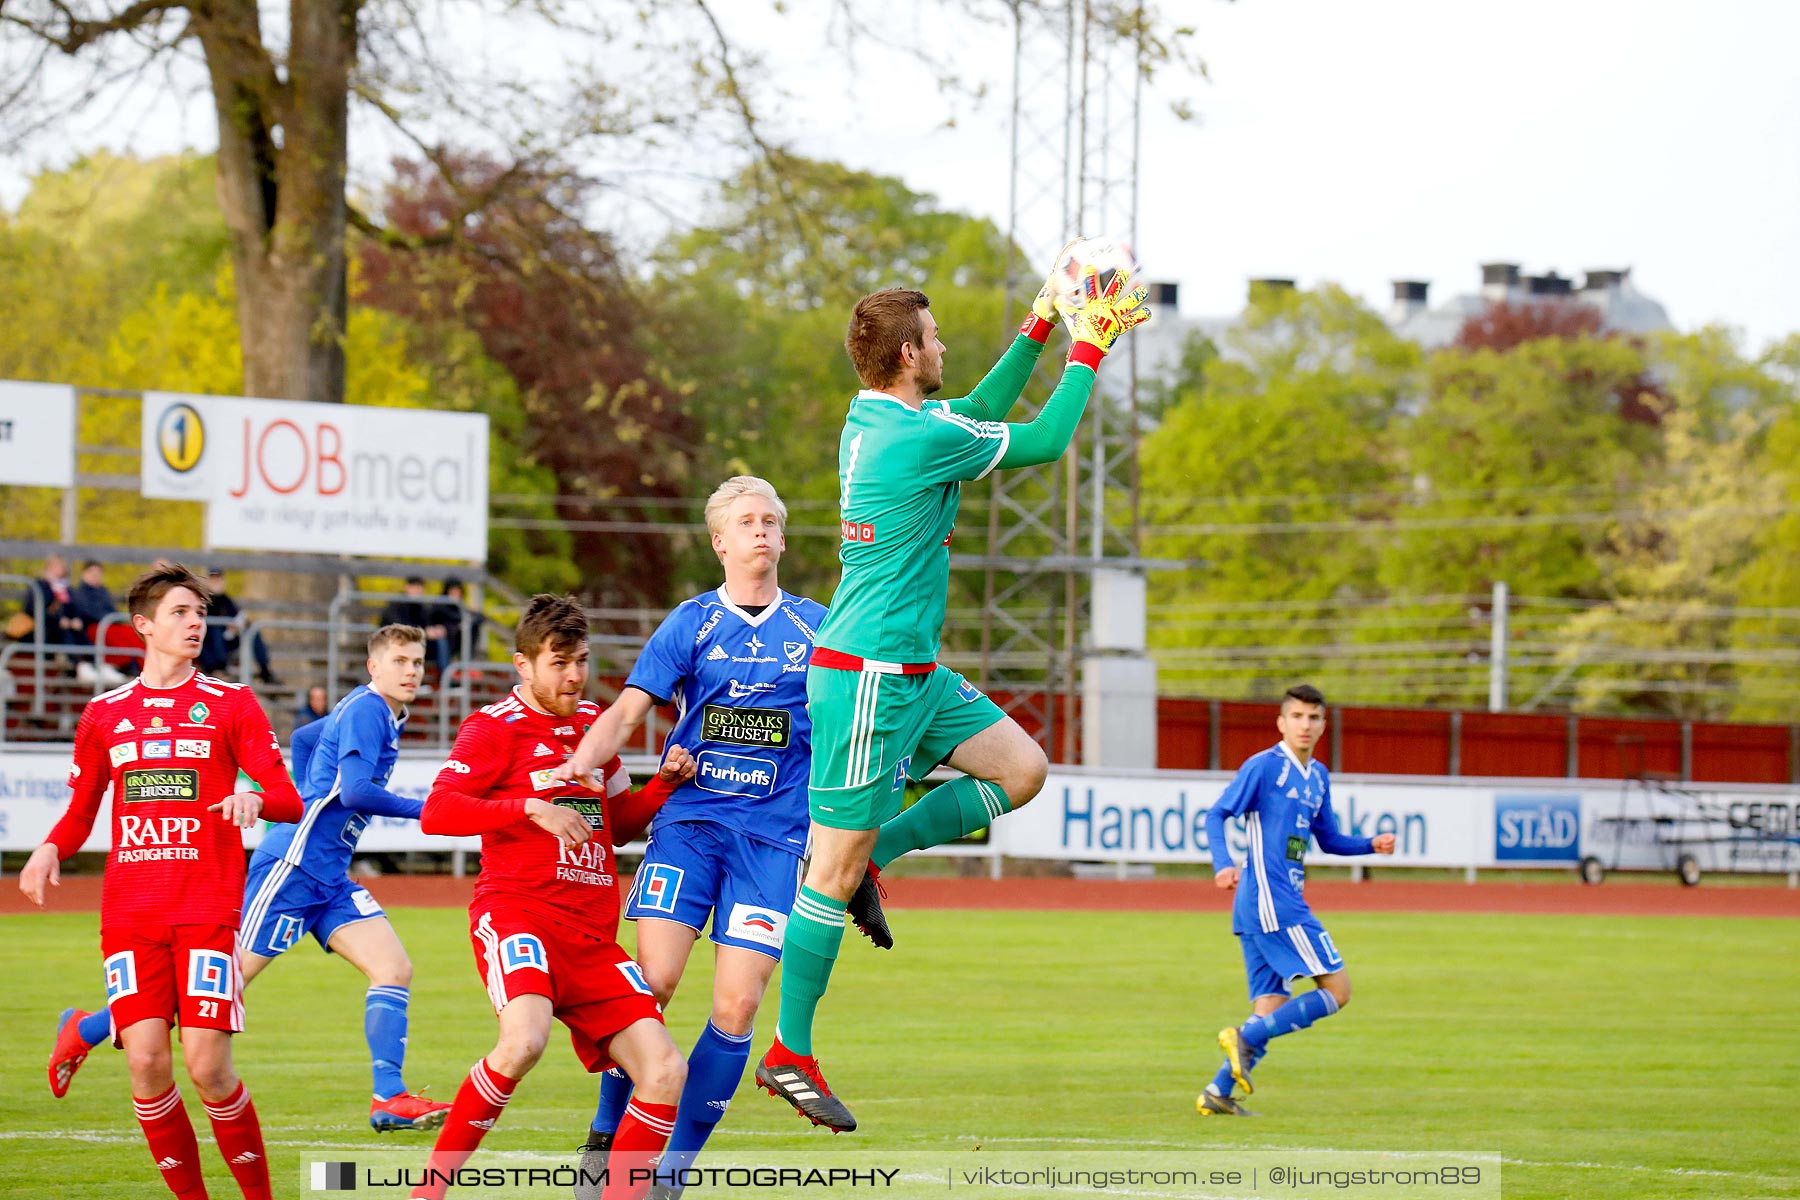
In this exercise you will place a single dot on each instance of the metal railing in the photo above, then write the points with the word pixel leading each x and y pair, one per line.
pixel 36 599
pixel 459 691
pixel 339 626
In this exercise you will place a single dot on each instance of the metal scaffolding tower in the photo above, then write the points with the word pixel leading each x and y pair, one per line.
pixel 1077 90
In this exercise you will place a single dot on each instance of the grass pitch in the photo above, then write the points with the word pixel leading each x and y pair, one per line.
pixel 1601 1056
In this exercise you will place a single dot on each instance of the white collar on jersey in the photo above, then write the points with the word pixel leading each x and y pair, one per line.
pixel 746 618
pixel 1305 768
pixel 872 394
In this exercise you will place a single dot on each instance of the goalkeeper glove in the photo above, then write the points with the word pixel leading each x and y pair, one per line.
pixel 1043 315
pixel 1104 316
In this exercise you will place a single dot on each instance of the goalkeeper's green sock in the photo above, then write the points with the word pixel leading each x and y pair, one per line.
pixel 945 813
pixel 815 930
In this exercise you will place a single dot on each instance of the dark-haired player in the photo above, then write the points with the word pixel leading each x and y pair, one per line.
pixel 544 918
pixel 298 881
pixel 1284 797
pixel 170 744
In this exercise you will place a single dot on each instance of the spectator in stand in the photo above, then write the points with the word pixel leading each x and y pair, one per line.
pixel 448 613
pixel 415 610
pixel 316 705
pixel 224 641
pixel 91 603
pixel 61 627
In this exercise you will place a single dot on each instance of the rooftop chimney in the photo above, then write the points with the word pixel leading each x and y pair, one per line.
pixel 1409 299
pixel 1604 278
pixel 1548 284
pixel 1499 280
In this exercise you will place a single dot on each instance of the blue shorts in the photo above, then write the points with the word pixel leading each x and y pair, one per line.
pixel 693 869
pixel 281 902
pixel 1274 960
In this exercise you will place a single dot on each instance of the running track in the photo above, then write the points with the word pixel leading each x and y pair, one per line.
pixel 82 893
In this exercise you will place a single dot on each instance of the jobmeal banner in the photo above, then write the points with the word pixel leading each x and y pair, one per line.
pixel 336 478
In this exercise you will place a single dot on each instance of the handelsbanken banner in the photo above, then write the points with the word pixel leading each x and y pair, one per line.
pixel 337 478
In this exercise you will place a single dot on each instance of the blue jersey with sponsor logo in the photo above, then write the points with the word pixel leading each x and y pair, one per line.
pixel 1285 805
pixel 739 683
pixel 321 843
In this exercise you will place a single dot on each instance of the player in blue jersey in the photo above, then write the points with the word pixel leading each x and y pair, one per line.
pixel 1284 798
pixel 298 881
pixel 728 844
pixel 299 878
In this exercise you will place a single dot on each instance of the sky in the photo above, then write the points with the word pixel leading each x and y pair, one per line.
pixel 1333 141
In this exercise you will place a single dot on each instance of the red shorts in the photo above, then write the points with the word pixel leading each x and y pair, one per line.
pixel 187 975
pixel 594 987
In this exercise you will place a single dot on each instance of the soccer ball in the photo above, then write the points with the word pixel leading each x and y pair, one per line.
pixel 1108 256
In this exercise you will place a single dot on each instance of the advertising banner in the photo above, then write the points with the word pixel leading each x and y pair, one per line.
pixel 1160 816
pixel 334 478
pixel 37 434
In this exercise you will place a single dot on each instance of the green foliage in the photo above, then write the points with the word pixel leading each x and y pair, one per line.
pixel 114 275
pixel 1347 505
pixel 1290 425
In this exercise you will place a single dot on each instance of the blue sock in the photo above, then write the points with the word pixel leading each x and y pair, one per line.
pixel 384 1027
pixel 1297 1013
pixel 95 1027
pixel 1223 1082
pixel 714 1069
pixel 615 1094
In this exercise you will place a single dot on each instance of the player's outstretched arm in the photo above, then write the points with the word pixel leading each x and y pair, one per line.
pixel 634 810
pixel 604 737
pixel 1005 382
pixel 257 750
pixel 1044 438
pixel 459 804
pixel 1100 322
pixel 1001 387
pixel 360 793
pixel 363 732
pixel 1332 840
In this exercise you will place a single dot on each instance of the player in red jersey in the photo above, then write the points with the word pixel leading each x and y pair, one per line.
pixel 544 918
pixel 170 744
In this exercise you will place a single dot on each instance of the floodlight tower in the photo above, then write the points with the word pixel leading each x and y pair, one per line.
pixel 1077 90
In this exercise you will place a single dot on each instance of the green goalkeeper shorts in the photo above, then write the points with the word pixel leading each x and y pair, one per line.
pixel 871 731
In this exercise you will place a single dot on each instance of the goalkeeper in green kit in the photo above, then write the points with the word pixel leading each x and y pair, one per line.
pixel 882 709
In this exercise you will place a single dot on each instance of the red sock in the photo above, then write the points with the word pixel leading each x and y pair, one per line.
pixel 173 1147
pixel 241 1143
pixel 478 1105
pixel 642 1134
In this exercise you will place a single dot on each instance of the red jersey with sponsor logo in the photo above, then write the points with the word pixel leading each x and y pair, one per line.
pixel 502 758
pixel 168 753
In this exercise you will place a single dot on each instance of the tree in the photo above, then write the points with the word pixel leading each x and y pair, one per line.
pixel 549 304
pixel 1269 456
pixel 123 282
pixel 1768 586
pixel 283 92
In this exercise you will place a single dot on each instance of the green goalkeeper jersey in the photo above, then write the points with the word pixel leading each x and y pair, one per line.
pixel 900 477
